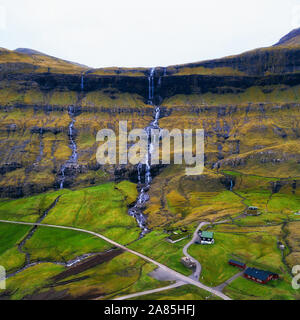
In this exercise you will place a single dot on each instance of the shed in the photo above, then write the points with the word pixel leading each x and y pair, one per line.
pixel 238 264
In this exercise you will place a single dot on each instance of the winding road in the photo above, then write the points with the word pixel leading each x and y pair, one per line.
pixel 172 272
pixel 197 272
pixel 195 276
pixel 177 284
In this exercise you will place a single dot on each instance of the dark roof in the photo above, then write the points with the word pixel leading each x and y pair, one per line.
pixel 237 262
pixel 258 274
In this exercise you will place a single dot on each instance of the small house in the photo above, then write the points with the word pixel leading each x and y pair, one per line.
pixel 177 236
pixel 187 262
pixel 259 276
pixel 238 264
pixel 253 211
pixel 205 237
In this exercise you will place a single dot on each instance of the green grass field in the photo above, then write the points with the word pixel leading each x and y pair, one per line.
pixel 103 209
pixel 156 247
pixel 123 274
pixel 244 289
pixel 186 292
pixel 255 248
pixel 10 257
pixel 11 235
pixel 28 209
pixel 50 244
pixel 31 280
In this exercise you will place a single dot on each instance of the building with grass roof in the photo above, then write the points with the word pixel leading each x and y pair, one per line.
pixel 205 237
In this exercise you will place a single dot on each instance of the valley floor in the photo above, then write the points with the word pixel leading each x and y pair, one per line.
pixel 87 246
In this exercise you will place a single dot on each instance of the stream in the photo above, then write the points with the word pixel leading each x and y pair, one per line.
pixel 72 145
pixel 137 210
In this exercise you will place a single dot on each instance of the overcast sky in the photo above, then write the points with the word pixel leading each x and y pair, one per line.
pixel 144 33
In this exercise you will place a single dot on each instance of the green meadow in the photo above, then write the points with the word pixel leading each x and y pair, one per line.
pixel 186 292
pixel 155 246
pixel 11 235
pixel 50 244
pixel 254 248
pixel 104 209
pixel 244 289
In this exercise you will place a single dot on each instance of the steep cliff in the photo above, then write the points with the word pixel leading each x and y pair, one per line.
pixel 248 105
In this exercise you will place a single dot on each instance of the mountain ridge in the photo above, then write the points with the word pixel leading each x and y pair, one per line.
pixel 246 95
pixel 290 40
pixel 31 52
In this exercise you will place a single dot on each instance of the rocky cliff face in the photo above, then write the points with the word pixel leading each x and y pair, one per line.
pixel 247 104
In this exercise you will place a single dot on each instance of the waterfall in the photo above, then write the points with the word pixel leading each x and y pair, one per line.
pixel 231 185
pixel 41 149
pixel 151 85
pixel 81 83
pixel 165 72
pixel 73 146
pixel 143 197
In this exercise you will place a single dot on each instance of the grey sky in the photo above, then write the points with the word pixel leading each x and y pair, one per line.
pixel 144 33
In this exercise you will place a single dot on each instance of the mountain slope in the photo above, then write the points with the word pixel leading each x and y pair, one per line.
pixel 249 108
pixel 291 39
pixel 284 57
pixel 29 61
pixel 32 52
pixel 243 102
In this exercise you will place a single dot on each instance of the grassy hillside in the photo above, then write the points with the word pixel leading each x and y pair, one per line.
pixel 249 108
pixel 12 61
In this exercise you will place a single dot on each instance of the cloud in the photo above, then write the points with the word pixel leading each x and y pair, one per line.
pixel 142 32
pixel 2 18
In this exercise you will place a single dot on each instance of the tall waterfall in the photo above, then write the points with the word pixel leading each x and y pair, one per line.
pixel 81 83
pixel 74 156
pixel 151 85
pixel 137 210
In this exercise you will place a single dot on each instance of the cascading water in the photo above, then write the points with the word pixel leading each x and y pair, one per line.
pixel 81 83
pixel 231 185
pixel 143 197
pixel 41 151
pixel 151 85
pixel 72 145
